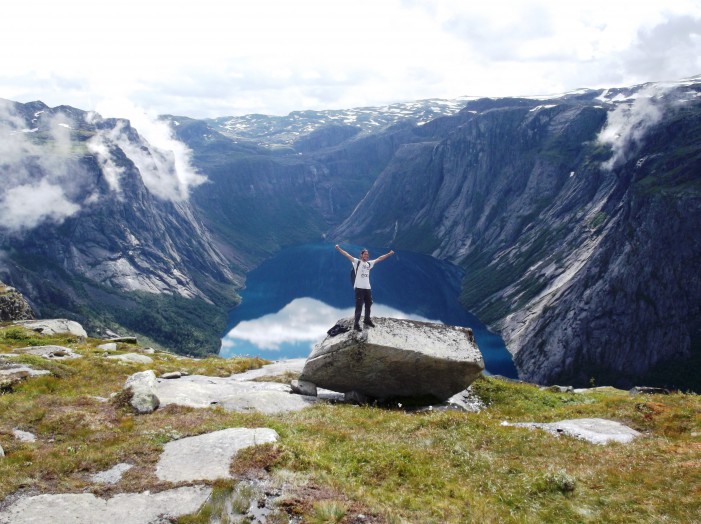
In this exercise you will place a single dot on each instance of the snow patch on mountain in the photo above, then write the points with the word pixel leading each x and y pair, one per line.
pixel 284 130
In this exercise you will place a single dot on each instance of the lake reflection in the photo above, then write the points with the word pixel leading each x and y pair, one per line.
pixel 295 328
pixel 291 300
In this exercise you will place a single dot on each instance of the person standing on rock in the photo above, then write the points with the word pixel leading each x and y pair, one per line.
pixel 363 293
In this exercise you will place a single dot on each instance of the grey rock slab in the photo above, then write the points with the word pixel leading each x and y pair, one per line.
pixel 124 508
pixel 231 393
pixel 8 368
pixel 208 456
pixel 279 367
pixel 127 340
pixel 56 326
pixel 302 387
pixel 467 401
pixel 397 358
pixel 594 430
pixel 112 475
pixel 134 358
pixel 50 352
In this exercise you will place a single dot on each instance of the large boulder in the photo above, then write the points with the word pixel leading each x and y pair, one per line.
pixel 395 359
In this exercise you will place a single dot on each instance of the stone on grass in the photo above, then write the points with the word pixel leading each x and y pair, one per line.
pixel 112 475
pixel 594 430
pixel 231 393
pixel 122 508
pixel 49 352
pixel 16 371
pixel 143 387
pixel 24 436
pixel 134 358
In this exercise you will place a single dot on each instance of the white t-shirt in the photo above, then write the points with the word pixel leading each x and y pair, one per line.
pixel 362 274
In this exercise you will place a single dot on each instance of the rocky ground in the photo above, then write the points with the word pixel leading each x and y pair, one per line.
pixel 191 464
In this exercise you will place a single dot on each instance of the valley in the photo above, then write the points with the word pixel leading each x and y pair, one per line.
pixel 575 219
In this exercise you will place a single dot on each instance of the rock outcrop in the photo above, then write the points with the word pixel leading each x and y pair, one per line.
pixel 13 305
pixel 48 352
pixel 396 359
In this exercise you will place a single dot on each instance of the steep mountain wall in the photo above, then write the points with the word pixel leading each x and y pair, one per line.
pixel 633 312
pixel 583 254
pixel 86 234
pixel 258 200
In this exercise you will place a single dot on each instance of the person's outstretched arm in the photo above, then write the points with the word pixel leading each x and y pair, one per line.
pixel 382 257
pixel 344 253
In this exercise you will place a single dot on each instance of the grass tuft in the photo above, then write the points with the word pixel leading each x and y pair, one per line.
pixel 328 512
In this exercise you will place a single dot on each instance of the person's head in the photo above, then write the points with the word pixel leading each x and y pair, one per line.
pixel 364 255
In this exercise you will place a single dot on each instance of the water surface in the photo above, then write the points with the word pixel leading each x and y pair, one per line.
pixel 291 300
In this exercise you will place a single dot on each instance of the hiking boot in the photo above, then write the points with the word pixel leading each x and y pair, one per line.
pixel 356 326
pixel 368 322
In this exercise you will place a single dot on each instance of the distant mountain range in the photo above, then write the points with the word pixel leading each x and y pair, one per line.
pixel 576 217
pixel 286 130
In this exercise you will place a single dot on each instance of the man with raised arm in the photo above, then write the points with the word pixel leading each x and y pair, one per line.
pixel 363 293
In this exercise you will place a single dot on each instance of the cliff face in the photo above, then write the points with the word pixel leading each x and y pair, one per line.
pixel 583 253
pixel 258 200
pixel 635 306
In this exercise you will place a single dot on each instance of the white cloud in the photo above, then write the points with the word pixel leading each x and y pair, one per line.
pixel 629 122
pixel 39 183
pixel 101 146
pixel 211 58
pixel 164 166
pixel 27 206
pixel 302 320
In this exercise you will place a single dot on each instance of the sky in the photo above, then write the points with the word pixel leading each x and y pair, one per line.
pixel 213 58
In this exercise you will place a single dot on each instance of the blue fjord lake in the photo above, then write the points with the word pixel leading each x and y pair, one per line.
pixel 292 299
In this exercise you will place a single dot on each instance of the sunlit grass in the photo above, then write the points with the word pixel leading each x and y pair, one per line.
pixel 392 465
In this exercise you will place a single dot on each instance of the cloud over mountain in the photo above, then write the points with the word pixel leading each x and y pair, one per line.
pixel 40 183
pixel 44 175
